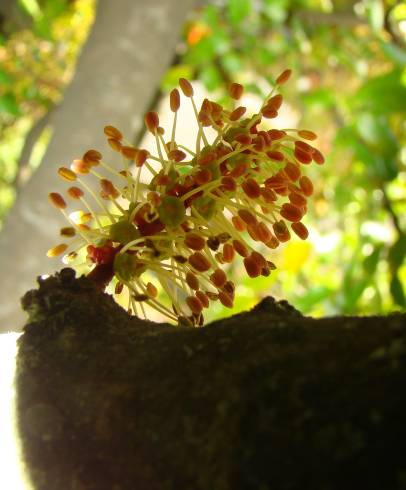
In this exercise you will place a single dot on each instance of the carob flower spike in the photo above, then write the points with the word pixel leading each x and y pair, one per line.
pixel 203 208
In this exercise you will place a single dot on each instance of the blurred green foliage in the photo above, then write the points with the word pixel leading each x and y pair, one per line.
pixel 39 43
pixel 349 86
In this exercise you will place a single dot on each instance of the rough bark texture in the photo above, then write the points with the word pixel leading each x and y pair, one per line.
pixel 129 48
pixel 267 399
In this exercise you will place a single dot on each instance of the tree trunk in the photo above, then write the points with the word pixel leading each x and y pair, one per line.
pixel 267 399
pixel 130 46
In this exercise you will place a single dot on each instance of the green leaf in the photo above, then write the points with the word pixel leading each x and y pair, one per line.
pixel 42 28
pixel 171 77
pixel 5 79
pixel 353 292
pixel 211 16
pixel 375 14
pixel 397 253
pixel 211 77
pixel 381 147
pixel 202 52
pixel 382 95
pixel 231 63
pixel 394 53
pixel 319 97
pixel 378 157
pixel 54 8
pixel 31 7
pixel 9 105
pixel 276 10
pixel 397 292
pixel 238 10
pixel 264 55
pixel 313 297
pixel 371 262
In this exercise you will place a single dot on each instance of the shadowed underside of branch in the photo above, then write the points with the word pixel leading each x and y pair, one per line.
pixel 267 399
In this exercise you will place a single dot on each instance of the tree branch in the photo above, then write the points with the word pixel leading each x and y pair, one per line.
pixel 265 399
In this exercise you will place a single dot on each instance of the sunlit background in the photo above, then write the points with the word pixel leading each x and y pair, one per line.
pixel 349 86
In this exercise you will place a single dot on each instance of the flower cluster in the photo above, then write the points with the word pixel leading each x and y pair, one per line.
pixel 202 208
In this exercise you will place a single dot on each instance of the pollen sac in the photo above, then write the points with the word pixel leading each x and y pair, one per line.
pixel 213 243
pixel 92 157
pixel 67 231
pixel 129 152
pixel 318 157
pixel 238 113
pixel 263 233
pixel 152 121
pixel 268 195
pixel 80 167
pixel 247 217
pixel 112 132
pixel 283 77
pixel 115 144
pixel 228 252
pixel 300 230
pixel 228 184
pixel 194 242
pixel 240 248
pixel 292 171
pixel 251 188
pixel 58 250
pixel 199 262
pixel 276 155
pixel 243 138
pixel 251 266
pixel 108 189
pixel 291 212
pixel 225 299
pixel 307 135
pixel 75 192
pixel 67 174
pixel 302 156
pixel 152 290
pixel 272 243
pixel 203 176
pixel 177 155
pixel 306 185
pixel 235 90
pixel 276 101
pixel 238 223
pixel 186 87
pixel 203 298
pixel 192 281
pixel 281 231
pixel 141 157
pixel 57 200
pixel 218 278
pixel 297 199
pixel 194 304
pixel 174 100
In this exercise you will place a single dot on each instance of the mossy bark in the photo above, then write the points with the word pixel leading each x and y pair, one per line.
pixel 267 399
